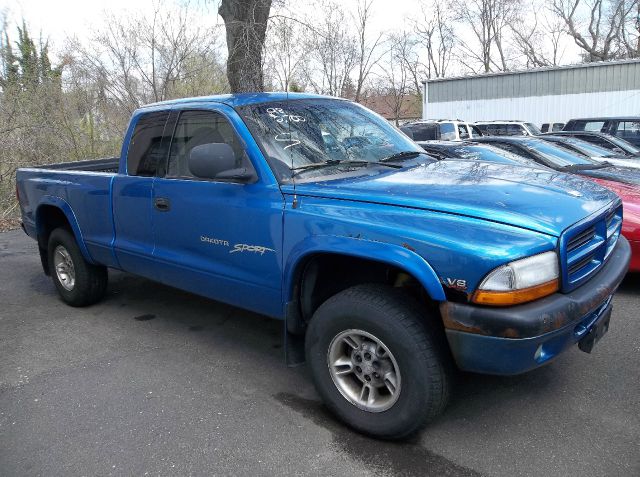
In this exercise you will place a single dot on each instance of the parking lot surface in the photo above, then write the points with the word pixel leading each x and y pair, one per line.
pixel 155 381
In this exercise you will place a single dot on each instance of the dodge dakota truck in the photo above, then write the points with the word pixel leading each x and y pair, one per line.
pixel 389 268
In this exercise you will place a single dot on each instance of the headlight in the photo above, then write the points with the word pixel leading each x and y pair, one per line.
pixel 520 281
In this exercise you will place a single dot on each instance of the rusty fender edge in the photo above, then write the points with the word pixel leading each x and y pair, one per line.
pixel 515 333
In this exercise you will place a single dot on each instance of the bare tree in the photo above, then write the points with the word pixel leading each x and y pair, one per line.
pixel 368 55
pixel 629 35
pixel 332 52
pixel 598 34
pixel 394 84
pixel 246 25
pixel 537 37
pixel 436 33
pixel 143 59
pixel 488 21
pixel 285 52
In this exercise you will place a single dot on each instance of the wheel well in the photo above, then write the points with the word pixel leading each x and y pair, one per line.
pixel 323 275
pixel 48 218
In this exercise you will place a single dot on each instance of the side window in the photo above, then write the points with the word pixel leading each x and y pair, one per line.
pixel 148 146
pixel 498 129
pixel 592 126
pixel 463 132
pixel 447 132
pixel 557 127
pixel 195 128
pixel 422 132
pixel 475 131
pixel 545 127
pixel 514 130
pixel 628 129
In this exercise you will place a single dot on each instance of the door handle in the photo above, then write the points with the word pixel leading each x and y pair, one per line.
pixel 162 204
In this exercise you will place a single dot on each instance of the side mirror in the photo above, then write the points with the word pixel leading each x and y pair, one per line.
pixel 208 160
pixel 240 174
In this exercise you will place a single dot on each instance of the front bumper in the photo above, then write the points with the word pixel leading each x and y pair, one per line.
pixel 516 339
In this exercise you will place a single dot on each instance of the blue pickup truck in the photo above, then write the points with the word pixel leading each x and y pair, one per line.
pixel 388 267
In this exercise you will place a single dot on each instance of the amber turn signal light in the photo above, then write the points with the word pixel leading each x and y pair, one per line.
pixel 515 297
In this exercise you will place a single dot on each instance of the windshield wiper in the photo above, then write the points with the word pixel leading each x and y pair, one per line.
pixel 584 167
pixel 403 155
pixel 336 162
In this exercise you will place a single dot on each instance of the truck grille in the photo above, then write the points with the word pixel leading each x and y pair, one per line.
pixel 586 246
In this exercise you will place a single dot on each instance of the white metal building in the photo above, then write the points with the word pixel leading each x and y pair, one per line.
pixel 610 88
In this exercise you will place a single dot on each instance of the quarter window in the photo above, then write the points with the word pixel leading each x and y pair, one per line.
pixel 148 146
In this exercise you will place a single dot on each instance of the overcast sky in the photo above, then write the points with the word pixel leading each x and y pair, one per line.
pixel 57 19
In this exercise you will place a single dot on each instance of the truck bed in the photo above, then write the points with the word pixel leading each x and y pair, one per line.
pixel 82 190
pixel 109 164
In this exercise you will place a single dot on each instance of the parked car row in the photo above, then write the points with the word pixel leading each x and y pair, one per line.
pixel 596 156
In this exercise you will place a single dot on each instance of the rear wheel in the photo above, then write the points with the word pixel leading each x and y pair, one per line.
pixel 375 362
pixel 78 282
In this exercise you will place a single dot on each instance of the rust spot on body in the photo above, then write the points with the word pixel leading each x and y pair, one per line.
pixel 408 247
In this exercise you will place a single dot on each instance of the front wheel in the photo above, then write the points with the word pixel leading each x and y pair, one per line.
pixel 78 282
pixel 376 363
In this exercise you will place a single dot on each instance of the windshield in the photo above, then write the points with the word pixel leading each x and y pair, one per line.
pixel 624 145
pixel 489 153
pixel 533 129
pixel 586 147
pixel 558 156
pixel 298 133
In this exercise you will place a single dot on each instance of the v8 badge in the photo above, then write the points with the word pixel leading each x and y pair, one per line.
pixel 457 283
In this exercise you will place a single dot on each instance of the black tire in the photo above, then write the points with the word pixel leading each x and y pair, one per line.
pixel 90 280
pixel 393 317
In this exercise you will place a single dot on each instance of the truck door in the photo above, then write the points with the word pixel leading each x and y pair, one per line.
pixel 220 238
pixel 131 192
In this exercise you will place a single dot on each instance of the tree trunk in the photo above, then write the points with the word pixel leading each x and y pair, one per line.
pixel 246 24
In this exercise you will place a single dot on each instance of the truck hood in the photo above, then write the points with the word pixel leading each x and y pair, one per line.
pixel 537 199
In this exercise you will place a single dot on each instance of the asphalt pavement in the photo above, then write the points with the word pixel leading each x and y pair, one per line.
pixel 156 381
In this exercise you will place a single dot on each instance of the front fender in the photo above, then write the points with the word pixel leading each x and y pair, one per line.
pixel 61 204
pixel 383 252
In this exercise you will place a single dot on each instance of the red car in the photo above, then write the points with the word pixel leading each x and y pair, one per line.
pixel 630 196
